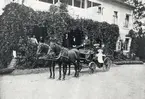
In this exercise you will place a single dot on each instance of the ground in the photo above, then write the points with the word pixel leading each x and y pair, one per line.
pixel 121 82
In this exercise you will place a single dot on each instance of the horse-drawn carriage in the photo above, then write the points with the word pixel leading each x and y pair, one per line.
pixel 89 59
pixel 79 57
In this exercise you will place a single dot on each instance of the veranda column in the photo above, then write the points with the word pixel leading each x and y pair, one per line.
pixel 72 2
pixel 85 4
pixel 81 4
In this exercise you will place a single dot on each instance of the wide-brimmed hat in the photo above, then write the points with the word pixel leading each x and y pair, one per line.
pixel 100 50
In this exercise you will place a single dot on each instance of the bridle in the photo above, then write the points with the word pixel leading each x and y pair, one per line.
pixel 60 53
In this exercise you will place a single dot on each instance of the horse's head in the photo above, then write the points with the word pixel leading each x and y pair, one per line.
pixel 55 48
pixel 42 48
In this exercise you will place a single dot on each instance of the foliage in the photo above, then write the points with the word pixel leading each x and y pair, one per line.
pixel 138 12
pixel 57 24
pixel 18 21
pixel 141 48
pixel 137 44
pixel 134 45
pixel 14 24
pixel 11 28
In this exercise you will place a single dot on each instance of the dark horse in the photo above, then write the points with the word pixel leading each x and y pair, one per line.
pixel 48 60
pixel 65 57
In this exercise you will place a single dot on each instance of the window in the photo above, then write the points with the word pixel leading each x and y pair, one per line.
pixel 48 1
pixel 115 16
pixel 77 3
pixel 88 3
pixel 95 4
pixel 99 10
pixel 65 1
pixel 82 3
pixel 119 45
pixel 92 4
pixel 126 44
pixel 69 2
pixel 127 20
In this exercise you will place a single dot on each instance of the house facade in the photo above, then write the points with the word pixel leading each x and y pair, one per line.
pixel 111 11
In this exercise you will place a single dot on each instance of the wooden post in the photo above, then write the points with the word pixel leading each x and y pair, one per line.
pixel 72 2
pixel 85 4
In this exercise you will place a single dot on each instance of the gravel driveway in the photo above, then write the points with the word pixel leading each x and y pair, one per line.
pixel 121 82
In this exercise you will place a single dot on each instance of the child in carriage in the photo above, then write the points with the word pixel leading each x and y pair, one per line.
pixel 100 56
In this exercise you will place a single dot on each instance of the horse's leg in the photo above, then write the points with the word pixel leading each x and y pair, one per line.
pixel 53 66
pixel 50 72
pixel 59 71
pixel 75 66
pixel 64 70
pixel 78 68
pixel 46 63
pixel 69 68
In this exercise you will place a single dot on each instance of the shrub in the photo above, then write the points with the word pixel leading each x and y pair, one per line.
pixel 18 21
pixel 13 25
pixel 137 44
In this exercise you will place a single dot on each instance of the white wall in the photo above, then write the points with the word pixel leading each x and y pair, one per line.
pixel 1 6
pixel 108 12
pixel 89 13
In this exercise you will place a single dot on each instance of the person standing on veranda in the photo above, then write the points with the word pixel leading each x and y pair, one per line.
pixel 34 40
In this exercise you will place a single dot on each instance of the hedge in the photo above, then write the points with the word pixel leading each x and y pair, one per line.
pixel 138 43
pixel 18 21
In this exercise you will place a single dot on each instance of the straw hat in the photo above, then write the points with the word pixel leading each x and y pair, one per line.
pixel 100 50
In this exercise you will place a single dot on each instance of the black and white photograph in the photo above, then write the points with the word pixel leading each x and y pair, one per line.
pixel 72 49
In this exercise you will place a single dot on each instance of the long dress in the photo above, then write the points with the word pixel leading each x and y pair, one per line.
pixel 100 56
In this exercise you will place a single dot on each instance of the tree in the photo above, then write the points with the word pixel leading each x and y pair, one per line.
pixel 138 12
pixel 138 37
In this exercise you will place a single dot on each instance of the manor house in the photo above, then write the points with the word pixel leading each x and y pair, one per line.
pixel 111 11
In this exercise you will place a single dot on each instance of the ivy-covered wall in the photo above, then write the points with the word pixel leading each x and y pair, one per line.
pixel 18 21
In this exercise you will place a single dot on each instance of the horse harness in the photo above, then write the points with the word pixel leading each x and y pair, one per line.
pixel 62 53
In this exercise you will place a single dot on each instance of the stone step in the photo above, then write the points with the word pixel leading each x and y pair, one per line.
pixel 12 63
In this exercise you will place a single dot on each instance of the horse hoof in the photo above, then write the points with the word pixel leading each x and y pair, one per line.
pixel 69 74
pixel 50 77
pixel 59 78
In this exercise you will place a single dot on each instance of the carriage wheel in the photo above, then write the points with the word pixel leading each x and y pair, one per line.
pixel 92 66
pixel 107 64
